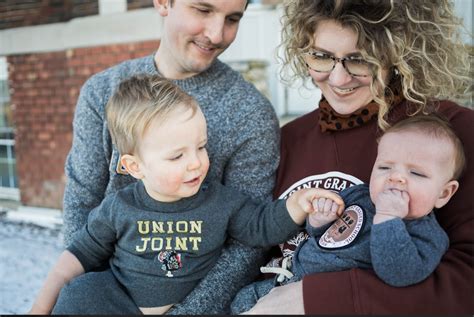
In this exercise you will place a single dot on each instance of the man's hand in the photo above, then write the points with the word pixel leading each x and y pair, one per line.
pixel 282 300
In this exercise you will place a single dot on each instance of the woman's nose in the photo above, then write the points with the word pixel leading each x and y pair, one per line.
pixel 339 75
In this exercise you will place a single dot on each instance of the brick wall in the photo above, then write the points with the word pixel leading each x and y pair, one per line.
pixel 18 13
pixel 45 88
pixel 139 4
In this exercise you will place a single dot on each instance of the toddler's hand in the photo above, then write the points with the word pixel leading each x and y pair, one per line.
pixel 322 205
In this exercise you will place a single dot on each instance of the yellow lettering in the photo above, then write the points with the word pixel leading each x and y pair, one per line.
pixel 181 244
pixel 181 226
pixel 168 243
pixel 145 244
pixel 170 226
pixel 154 243
pixel 196 226
pixel 141 229
pixel 158 227
pixel 195 241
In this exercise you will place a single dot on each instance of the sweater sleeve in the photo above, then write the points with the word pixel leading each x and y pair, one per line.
pixel 405 253
pixel 95 242
pixel 448 290
pixel 262 225
pixel 86 165
pixel 252 167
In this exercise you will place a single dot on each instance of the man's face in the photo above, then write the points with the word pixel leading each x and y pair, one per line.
pixel 195 33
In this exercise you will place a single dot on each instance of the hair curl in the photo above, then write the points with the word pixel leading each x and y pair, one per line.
pixel 419 42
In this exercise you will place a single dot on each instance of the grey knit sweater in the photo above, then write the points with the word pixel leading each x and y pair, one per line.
pixel 163 248
pixel 243 147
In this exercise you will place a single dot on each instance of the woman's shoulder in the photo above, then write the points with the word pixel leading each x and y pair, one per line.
pixel 453 111
pixel 301 125
pixel 461 119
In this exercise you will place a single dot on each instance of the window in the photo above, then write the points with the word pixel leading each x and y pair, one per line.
pixel 8 175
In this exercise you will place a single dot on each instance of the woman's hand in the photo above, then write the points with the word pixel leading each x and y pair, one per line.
pixel 287 299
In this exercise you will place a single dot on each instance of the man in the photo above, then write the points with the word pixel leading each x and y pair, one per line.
pixel 243 146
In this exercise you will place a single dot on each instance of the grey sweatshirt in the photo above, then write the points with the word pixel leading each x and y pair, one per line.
pixel 401 252
pixel 243 146
pixel 164 249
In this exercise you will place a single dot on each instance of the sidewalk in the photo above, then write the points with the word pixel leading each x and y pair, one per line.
pixel 30 243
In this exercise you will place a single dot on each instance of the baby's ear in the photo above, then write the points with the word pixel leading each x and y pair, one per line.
pixel 132 165
pixel 448 191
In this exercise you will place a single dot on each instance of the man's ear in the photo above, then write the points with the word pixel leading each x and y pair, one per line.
pixel 448 191
pixel 132 165
pixel 162 6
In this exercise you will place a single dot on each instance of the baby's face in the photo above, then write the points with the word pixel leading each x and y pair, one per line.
pixel 413 162
pixel 173 155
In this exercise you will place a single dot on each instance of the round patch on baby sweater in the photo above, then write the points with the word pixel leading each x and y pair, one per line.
pixel 344 230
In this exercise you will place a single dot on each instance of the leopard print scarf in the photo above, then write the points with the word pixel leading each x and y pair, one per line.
pixel 330 120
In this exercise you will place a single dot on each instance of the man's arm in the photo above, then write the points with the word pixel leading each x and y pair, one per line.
pixel 86 169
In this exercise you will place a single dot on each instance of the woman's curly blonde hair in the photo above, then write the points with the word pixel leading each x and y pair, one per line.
pixel 419 42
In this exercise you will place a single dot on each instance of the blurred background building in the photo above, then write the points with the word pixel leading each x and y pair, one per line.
pixel 48 48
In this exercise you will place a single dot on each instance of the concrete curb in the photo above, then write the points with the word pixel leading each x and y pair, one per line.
pixel 43 217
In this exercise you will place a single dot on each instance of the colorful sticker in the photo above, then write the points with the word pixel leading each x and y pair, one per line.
pixel 171 261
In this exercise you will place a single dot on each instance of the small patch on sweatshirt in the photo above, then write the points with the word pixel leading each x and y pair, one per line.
pixel 344 230
pixel 170 261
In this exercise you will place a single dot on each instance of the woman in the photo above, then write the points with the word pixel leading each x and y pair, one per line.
pixel 375 62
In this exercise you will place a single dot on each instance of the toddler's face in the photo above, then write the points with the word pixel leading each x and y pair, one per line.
pixel 173 156
pixel 418 164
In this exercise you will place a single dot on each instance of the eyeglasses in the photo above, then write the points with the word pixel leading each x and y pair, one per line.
pixel 325 63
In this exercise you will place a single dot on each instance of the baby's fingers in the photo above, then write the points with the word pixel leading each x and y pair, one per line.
pixel 307 206
pixel 321 204
pixel 328 207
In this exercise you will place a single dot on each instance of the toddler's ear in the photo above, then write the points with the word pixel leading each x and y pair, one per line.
pixel 132 165
pixel 162 7
pixel 448 191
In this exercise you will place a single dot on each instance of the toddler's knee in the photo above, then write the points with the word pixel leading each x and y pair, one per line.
pixel 76 296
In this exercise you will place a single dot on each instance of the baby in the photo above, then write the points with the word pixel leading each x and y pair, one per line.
pixel 389 225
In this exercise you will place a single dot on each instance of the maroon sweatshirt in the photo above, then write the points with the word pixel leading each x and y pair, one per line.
pixel 333 160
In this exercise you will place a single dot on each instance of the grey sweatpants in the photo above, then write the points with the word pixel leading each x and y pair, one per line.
pixel 95 293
